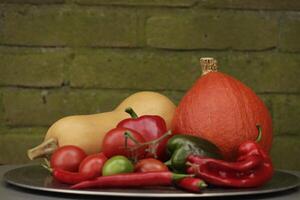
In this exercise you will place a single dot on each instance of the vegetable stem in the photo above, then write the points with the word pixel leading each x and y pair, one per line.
pixel 131 112
pixel 259 133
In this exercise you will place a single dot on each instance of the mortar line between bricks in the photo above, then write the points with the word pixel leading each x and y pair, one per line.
pixel 286 135
pixel 144 48
pixel 148 49
pixel 137 6
pixel 67 87
pixel 32 3
pixel 248 9
pixel 35 46
pixel 23 126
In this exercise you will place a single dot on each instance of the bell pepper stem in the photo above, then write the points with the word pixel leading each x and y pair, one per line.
pixel 259 133
pixel 131 112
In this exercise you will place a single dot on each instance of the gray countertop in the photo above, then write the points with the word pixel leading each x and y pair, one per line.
pixel 10 192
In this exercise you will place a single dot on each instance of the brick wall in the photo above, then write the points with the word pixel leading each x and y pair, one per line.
pixel 64 57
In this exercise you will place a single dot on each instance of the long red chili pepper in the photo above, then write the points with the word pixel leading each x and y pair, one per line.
pixel 132 180
pixel 71 177
pixel 89 168
pixel 253 167
pixel 191 184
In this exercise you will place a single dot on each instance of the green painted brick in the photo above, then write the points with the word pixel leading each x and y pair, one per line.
pixel 267 99
pixel 265 72
pixel 33 26
pixel 32 69
pixel 68 26
pixel 15 142
pixel 161 70
pixel 213 30
pixel 166 3
pixel 133 69
pixel 175 96
pixel 252 4
pixel 27 107
pixel 32 1
pixel 286 114
pixel 1 109
pixel 285 151
pixel 285 110
pixel 290 31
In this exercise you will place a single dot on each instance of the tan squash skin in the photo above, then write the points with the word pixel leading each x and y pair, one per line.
pixel 88 131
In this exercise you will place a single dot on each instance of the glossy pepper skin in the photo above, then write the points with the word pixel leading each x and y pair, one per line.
pixel 191 184
pixel 150 127
pixel 68 177
pixel 89 168
pixel 179 147
pixel 141 179
pixel 252 168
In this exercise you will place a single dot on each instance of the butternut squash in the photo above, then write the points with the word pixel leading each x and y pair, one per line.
pixel 88 131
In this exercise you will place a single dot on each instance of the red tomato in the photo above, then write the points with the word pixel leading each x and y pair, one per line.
pixel 67 158
pixel 93 164
pixel 114 144
pixel 150 165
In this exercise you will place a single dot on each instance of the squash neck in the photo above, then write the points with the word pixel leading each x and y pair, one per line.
pixel 208 65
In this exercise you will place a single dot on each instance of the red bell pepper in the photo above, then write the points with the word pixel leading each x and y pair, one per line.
pixel 252 168
pixel 151 127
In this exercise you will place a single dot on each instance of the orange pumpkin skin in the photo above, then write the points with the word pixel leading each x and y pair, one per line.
pixel 224 111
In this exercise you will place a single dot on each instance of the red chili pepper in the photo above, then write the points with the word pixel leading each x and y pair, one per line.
pixel 132 180
pixel 89 168
pixel 191 184
pixel 150 127
pixel 70 177
pixel 252 168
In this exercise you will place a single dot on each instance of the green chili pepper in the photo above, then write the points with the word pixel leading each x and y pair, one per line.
pixel 180 146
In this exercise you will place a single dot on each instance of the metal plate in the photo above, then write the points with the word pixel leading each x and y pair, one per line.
pixel 37 178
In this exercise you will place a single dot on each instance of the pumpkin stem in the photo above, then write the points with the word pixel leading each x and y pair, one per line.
pixel 208 65
pixel 259 133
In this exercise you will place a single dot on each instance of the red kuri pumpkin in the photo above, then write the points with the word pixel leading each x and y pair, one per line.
pixel 222 110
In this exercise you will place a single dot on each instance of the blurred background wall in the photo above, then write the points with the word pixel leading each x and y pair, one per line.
pixel 64 57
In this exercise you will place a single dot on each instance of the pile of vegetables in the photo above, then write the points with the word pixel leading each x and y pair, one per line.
pixel 219 135
pixel 132 156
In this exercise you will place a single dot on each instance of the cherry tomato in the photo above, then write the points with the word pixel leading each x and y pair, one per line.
pixel 67 158
pixel 114 144
pixel 150 165
pixel 93 164
pixel 117 165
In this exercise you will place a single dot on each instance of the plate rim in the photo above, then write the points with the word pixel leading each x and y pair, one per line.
pixel 146 195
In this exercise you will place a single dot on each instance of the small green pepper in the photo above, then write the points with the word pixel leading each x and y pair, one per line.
pixel 117 165
pixel 180 146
